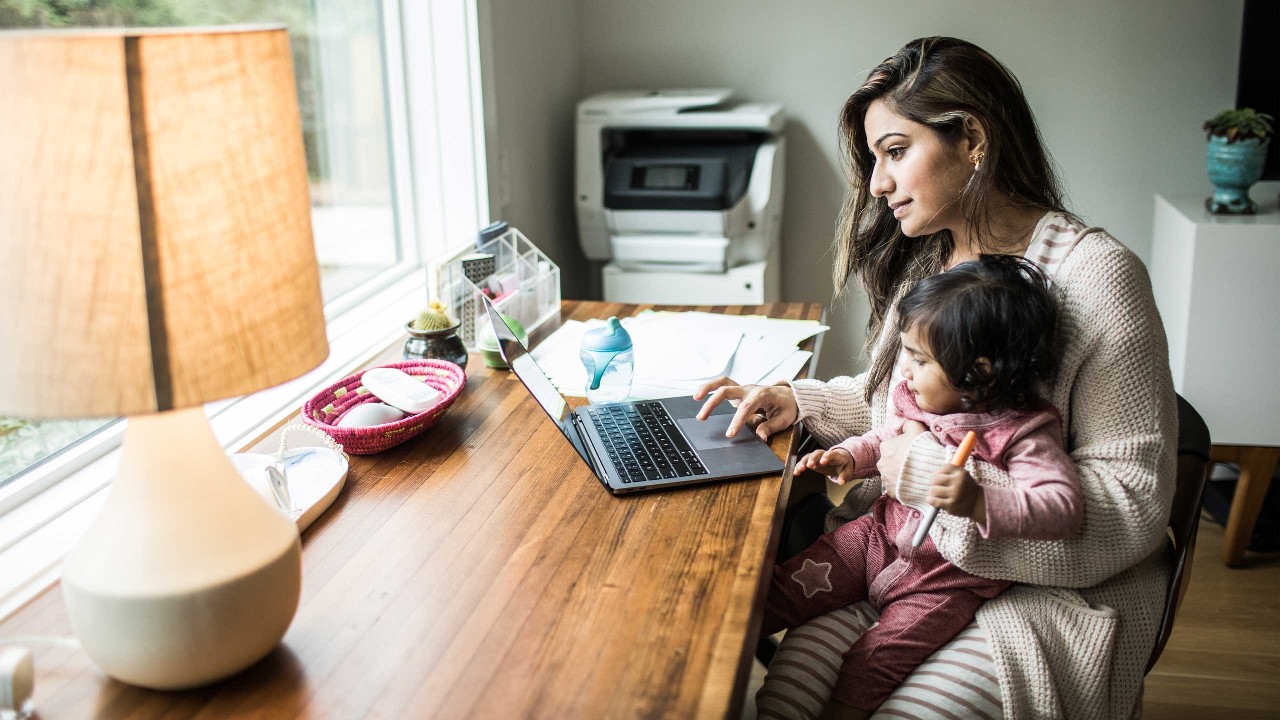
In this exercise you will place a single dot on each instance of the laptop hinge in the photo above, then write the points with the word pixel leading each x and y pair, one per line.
pixel 597 465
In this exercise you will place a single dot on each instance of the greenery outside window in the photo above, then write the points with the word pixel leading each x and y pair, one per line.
pixel 341 58
pixel 390 96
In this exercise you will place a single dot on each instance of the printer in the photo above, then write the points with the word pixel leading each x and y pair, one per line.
pixel 680 192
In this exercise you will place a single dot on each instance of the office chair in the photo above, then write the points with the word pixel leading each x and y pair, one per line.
pixel 1184 516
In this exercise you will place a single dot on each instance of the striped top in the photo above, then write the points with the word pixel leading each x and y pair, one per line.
pixel 1052 240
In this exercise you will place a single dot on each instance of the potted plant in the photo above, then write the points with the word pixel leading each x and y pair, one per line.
pixel 1236 153
pixel 433 334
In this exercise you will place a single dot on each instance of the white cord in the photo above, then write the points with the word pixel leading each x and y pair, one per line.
pixel 18 673
pixel 67 642
pixel 278 473
pixel 328 441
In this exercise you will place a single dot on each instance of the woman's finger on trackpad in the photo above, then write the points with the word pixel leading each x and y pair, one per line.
pixel 712 385
pixel 726 392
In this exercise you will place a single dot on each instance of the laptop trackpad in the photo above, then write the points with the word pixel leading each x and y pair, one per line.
pixel 709 434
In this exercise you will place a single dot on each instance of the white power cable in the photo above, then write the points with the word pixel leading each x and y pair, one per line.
pixel 66 642
pixel 18 674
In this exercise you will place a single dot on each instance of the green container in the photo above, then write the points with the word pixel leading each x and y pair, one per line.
pixel 487 342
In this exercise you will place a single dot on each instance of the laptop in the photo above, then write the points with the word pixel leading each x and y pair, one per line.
pixel 645 444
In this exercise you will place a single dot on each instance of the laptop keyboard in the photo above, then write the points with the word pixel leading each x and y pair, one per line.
pixel 643 443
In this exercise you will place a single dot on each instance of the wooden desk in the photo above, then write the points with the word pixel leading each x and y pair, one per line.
pixel 1257 466
pixel 481 570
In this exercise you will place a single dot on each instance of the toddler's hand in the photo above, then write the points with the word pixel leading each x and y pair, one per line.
pixel 836 464
pixel 955 491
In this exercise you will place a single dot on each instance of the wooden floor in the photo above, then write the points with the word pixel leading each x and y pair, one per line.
pixel 1223 659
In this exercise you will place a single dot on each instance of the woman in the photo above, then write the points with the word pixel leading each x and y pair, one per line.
pixel 946 163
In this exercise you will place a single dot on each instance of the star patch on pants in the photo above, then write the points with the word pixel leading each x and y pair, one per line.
pixel 813 577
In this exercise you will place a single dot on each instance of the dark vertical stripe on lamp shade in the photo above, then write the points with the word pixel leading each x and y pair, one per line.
pixel 151 269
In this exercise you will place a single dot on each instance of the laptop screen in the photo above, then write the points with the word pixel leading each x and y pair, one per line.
pixel 535 379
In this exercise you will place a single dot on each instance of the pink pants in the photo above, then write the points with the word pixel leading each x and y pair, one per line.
pixel 923 600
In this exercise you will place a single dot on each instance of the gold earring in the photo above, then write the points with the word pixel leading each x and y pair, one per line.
pixel 976 158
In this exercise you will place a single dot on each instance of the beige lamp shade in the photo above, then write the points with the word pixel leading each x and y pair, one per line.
pixel 155 223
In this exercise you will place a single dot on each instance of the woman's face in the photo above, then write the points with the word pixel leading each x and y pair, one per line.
pixel 916 173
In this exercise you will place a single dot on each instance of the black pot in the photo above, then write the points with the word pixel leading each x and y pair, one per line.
pixel 441 344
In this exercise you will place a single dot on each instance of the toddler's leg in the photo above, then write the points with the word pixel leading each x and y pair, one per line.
pixel 830 574
pixel 911 628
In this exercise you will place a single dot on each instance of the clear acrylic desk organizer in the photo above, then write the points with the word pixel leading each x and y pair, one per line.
pixel 527 284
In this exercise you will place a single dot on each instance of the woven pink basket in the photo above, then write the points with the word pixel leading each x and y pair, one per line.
pixel 329 405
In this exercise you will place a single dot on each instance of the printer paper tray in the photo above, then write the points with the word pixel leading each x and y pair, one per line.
pixel 680 253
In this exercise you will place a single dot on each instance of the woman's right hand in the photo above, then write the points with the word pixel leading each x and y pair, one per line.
pixel 892 453
pixel 777 404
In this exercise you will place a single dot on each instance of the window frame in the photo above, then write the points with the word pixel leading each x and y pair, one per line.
pixel 46 508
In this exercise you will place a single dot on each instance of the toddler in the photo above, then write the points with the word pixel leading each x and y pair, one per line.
pixel 975 341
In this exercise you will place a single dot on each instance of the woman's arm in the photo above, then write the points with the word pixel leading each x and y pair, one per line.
pixel 833 410
pixel 1122 427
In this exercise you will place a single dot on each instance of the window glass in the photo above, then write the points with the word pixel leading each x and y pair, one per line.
pixel 338 52
pixel 24 443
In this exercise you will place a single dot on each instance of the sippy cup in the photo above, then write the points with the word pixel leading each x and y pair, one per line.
pixel 606 353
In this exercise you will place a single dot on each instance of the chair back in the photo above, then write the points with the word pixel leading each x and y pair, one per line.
pixel 1184 516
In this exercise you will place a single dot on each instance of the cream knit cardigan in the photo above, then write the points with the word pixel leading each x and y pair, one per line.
pixel 1074 638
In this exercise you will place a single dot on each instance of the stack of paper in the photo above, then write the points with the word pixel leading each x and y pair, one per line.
pixel 677 352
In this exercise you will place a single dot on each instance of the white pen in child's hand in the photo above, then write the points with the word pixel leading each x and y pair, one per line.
pixel 959 459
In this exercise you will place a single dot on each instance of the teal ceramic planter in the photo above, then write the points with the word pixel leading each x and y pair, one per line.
pixel 1233 168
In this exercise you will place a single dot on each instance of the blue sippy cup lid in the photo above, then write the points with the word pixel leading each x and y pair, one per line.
pixel 610 338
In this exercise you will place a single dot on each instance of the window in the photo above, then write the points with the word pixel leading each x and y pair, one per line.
pixel 389 102
pixel 26 443
pixel 344 63
pixel 338 55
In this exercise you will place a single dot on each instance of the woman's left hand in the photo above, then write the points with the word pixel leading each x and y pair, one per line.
pixel 893 451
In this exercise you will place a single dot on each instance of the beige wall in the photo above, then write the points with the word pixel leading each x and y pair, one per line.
pixel 1120 90
pixel 531 68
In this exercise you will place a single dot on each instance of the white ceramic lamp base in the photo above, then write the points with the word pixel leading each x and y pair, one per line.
pixel 187 576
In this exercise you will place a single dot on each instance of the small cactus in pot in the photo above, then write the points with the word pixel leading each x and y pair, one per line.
pixel 435 317
pixel 1234 158
pixel 434 335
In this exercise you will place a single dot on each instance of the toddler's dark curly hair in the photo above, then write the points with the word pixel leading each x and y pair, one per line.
pixel 997 307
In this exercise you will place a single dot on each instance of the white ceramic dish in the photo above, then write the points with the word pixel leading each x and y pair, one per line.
pixel 315 476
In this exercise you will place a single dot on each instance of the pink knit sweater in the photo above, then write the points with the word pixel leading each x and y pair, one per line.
pixel 1044 504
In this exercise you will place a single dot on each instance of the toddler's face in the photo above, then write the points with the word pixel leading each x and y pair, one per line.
pixel 925 379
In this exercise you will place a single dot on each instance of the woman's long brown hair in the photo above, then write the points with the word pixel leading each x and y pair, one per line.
pixel 938 82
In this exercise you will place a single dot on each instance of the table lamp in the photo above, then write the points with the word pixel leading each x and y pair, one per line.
pixel 155 230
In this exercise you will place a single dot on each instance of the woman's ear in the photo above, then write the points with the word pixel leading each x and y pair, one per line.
pixel 974 140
